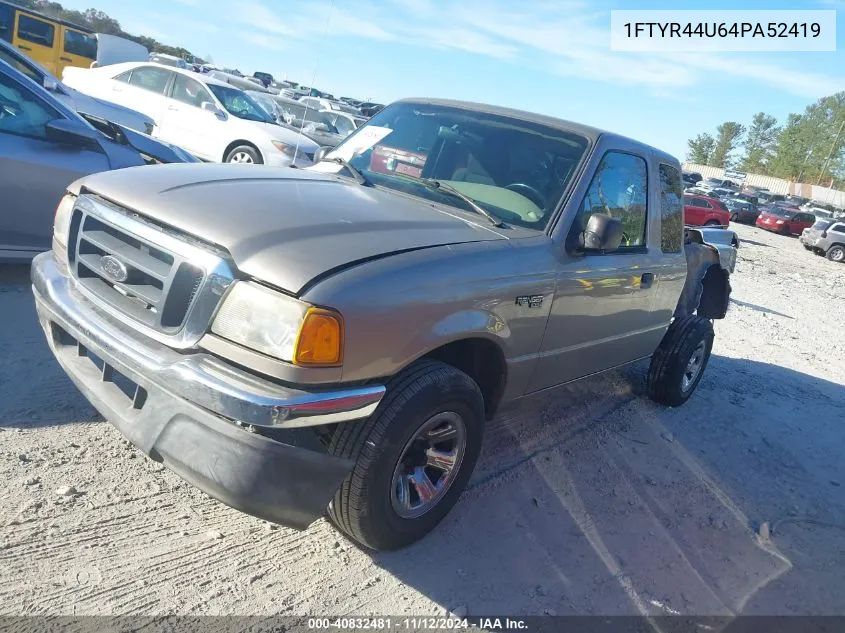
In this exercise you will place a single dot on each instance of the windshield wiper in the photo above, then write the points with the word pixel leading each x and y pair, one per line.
pixel 433 183
pixel 357 175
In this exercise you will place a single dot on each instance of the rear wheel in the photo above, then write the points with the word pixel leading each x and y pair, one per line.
pixel 244 154
pixel 680 360
pixel 413 456
pixel 712 223
pixel 836 253
pixel 734 217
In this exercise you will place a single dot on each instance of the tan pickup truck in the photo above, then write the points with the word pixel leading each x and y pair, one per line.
pixel 296 342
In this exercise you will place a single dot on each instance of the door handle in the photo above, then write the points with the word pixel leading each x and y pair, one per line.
pixel 24 48
pixel 66 59
pixel 646 280
pixel 172 107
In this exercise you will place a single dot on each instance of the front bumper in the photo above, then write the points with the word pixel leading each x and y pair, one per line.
pixel 181 409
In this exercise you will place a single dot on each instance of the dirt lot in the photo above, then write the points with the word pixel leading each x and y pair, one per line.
pixel 589 500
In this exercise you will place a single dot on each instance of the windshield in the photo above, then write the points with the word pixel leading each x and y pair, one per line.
pixel 240 104
pixel 714 181
pixel 515 169
pixel 822 225
pixel 268 104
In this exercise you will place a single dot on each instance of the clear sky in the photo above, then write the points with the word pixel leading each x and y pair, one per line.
pixel 548 56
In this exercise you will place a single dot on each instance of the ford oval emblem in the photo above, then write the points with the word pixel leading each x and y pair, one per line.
pixel 114 268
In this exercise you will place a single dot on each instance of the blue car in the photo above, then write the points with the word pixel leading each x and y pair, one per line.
pixel 45 146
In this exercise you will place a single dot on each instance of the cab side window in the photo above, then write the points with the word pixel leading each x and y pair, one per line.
pixel 150 78
pixel 838 228
pixel 21 112
pixel 189 91
pixel 620 189
pixel 671 210
pixel 36 31
pixel 82 44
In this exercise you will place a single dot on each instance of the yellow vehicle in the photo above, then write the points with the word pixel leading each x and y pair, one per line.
pixel 53 43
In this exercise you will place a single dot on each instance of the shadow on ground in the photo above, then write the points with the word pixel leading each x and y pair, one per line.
pixel 34 391
pixel 595 500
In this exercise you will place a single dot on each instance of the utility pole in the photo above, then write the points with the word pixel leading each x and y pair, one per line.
pixel 832 148
pixel 804 164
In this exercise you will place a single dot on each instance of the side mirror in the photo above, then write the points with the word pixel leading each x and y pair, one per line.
pixel 603 233
pixel 210 107
pixel 50 83
pixel 70 132
pixel 320 154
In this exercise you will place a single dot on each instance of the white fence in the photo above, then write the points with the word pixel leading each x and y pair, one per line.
pixel 825 195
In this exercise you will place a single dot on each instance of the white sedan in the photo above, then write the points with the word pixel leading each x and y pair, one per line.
pixel 209 118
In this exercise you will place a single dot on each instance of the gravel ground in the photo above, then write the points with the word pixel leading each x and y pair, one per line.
pixel 588 500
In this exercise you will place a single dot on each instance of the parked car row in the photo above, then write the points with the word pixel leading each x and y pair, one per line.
pixel 44 146
pixel 207 117
pixel 826 237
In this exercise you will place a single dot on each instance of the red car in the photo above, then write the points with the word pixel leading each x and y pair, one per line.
pixel 705 211
pixel 784 220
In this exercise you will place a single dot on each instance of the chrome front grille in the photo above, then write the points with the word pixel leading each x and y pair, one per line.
pixel 162 282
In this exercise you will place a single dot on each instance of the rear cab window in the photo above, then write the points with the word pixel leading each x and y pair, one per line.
pixel 671 209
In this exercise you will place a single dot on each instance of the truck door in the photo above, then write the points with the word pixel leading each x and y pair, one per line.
pixel 78 49
pixel 603 313
pixel 37 38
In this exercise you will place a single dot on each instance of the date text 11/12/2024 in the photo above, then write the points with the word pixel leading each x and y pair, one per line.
pixel 416 624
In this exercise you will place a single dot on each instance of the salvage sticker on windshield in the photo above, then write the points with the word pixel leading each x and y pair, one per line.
pixel 360 142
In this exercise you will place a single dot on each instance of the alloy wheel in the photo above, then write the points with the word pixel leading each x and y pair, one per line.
pixel 693 368
pixel 428 465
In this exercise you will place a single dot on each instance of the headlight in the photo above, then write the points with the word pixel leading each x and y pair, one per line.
pixel 779 222
pixel 61 223
pixel 284 148
pixel 280 326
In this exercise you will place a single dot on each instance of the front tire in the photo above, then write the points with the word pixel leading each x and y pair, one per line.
pixel 244 154
pixel 836 253
pixel 680 360
pixel 413 456
pixel 712 223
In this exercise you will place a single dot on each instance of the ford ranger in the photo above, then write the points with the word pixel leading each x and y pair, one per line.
pixel 297 342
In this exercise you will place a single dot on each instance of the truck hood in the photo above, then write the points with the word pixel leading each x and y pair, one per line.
pixel 283 226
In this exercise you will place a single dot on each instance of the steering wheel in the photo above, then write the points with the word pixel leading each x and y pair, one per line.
pixel 529 192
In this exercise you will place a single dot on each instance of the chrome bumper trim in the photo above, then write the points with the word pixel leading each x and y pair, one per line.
pixel 197 378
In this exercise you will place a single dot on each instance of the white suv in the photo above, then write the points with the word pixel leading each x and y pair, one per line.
pixel 209 118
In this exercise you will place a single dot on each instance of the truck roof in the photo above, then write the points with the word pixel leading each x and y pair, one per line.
pixel 591 133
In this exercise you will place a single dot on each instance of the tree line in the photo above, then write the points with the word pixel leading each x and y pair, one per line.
pixel 808 147
pixel 101 22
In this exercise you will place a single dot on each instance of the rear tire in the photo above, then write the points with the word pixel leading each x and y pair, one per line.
pixel 380 504
pixel 680 360
pixel 712 223
pixel 244 154
pixel 836 253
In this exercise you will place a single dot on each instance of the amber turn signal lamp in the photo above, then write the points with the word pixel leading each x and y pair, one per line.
pixel 320 340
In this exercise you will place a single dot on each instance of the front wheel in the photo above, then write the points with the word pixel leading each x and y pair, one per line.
pixel 413 456
pixel 679 362
pixel 712 223
pixel 244 154
pixel 836 253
